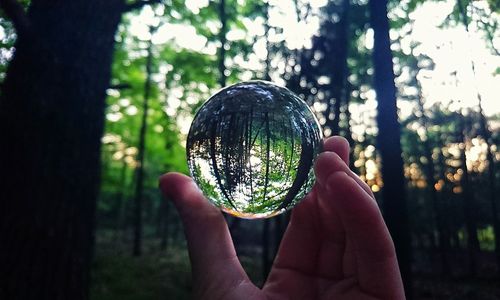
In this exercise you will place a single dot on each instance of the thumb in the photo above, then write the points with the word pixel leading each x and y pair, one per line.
pixel 211 250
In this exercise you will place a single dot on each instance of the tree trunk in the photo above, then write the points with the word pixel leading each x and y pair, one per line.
pixel 139 186
pixel 51 122
pixel 223 41
pixel 164 224
pixel 339 70
pixel 120 201
pixel 267 62
pixel 469 205
pixel 279 231
pixel 430 173
pixel 493 197
pixel 266 264
pixel 388 140
pixel 348 131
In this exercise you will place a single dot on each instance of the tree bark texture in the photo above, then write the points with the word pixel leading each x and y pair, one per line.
pixel 337 50
pixel 430 176
pixel 266 264
pixel 223 42
pixel 51 122
pixel 469 202
pixel 388 140
pixel 139 184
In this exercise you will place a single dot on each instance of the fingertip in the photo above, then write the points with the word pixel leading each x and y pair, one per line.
pixel 339 145
pixel 335 141
pixel 170 183
pixel 186 195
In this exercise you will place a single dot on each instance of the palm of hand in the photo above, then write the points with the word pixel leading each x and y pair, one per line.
pixel 335 247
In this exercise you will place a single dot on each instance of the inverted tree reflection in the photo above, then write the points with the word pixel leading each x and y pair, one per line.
pixel 251 149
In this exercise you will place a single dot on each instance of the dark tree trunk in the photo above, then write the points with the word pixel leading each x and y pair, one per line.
pixel 51 122
pixel 348 131
pixel 223 41
pixel 443 245
pixel 469 205
pixel 280 223
pixel 266 264
pixel 339 70
pixel 430 173
pixel 492 194
pixel 446 219
pixel 388 141
pixel 139 186
pixel 267 63
pixel 164 224
pixel 120 201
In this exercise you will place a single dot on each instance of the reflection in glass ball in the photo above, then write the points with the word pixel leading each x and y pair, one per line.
pixel 251 149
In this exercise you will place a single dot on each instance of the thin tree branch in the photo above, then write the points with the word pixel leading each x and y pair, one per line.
pixel 490 36
pixel 120 86
pixel 138 4
pixel 15 12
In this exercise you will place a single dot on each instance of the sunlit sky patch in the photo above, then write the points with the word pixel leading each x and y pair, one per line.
pixel 451 49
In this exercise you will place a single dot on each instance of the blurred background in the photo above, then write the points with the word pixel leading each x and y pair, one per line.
pixel 423 84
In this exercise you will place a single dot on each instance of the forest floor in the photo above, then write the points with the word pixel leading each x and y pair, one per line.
pixel 431 288
pixel 166 274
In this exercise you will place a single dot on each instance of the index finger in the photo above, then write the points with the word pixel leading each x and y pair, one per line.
pixel 210 246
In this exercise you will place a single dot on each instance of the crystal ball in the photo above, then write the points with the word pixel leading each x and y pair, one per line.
pixel 251 148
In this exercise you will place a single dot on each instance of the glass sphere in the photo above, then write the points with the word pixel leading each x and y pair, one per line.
pixel 251 148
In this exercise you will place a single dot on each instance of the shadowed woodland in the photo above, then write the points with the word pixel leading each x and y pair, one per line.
pixel 97 98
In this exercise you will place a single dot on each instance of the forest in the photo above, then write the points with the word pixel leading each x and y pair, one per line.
pixel 97 99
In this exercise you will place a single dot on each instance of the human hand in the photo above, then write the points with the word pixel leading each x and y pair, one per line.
pixel 336 245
